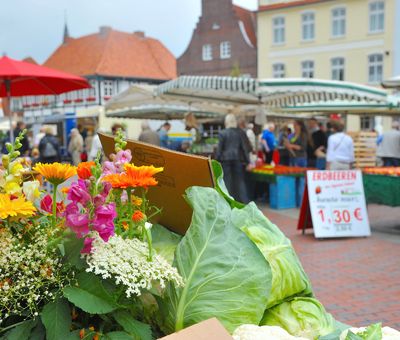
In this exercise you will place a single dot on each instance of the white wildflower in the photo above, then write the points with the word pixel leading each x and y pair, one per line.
pixel 127 262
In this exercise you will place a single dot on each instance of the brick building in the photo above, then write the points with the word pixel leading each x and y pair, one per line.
pixel 223 42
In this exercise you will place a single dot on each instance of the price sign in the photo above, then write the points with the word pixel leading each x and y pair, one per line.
pixel 337 203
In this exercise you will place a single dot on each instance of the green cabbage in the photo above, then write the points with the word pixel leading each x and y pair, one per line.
pixel 288 276
pixel 305 317
pixel 225 274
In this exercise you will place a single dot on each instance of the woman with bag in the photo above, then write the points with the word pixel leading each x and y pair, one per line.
pixel 340 153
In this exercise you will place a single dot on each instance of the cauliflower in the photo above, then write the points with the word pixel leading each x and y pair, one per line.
pixel 254 332
pixel 387 333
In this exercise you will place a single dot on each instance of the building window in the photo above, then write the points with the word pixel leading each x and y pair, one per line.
pixel 278 29
pixel 338 22
pixel 278 70
pixel 225 50
pixel 337 67
pixel 308 26
pixel 307 69
pixel 376 16
pixel 108 88
pixel 375 68
pixel 367 123
pixel 207 52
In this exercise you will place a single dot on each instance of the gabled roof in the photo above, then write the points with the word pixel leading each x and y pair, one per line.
pixel 287 4
pixel 248 19
pixel 30 60
pixel 114 53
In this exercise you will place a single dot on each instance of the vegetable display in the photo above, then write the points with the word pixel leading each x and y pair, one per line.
pixel 87 263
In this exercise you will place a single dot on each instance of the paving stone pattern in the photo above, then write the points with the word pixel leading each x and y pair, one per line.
pixel 356 279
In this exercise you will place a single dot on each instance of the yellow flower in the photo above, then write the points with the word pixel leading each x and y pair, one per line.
pixel 15 207
pixel 55 173
pixel 137 201
pixel 12 185
pixel 16 168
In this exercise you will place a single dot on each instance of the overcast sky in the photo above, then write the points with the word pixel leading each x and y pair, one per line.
pixel 35 27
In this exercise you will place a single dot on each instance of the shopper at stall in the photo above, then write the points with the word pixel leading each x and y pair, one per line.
pixel 233 153
pixel 317 146
pixel 148 135
pixel 268 142
pixel 163 134
pixel 389 147
pixel 340 152
pixel 49 147
pixel 284 154
pixel 297 144
pixel 75 146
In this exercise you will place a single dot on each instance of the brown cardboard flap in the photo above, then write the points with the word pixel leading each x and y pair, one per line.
pixel 210 329
pixel 181 171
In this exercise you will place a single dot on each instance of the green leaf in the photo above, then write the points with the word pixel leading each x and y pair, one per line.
pixel 372 332
pixel 221 187
pixel 288 276
pixel 225 274
pixel 56 317
pixel 139 330
pixel 90 295
pixel 165 242
pixel 72 249
pixel 119 336
pixel 20 332
pixel 39 332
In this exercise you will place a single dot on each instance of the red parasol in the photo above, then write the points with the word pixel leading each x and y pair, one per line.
pixel 19 78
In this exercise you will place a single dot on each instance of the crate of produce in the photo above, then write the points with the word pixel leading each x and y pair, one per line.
pixel 300 185
pixel 364 148
pixel 382 189
pixel 282 193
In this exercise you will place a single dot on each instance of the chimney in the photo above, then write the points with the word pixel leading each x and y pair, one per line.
pixel 105 30
pixel 139 34
pixel 215 8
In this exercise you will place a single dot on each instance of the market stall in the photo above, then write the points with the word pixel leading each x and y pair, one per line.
pixel 382 185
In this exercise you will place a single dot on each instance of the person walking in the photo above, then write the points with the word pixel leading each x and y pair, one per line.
pixel 340 152
pixel 49 147
pixel 317 145
pixel 163 134
pixel 268 142
pixel 297 144
pixel 233 153
pixel 389 147
pixel 75 146
pixel 148 135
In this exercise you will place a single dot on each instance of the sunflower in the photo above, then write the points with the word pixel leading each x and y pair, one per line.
pixel 15 206
pixel 55 173
pixel 134 176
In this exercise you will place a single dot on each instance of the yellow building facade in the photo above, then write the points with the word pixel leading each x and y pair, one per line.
pixel 352 40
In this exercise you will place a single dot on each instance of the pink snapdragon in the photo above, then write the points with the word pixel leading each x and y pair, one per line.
pixel 78 192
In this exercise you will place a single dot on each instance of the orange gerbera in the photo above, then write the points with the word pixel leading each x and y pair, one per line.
pixel 12 206
pixel 55 173
pixel 137 216
pixel 134 176
pixel 84 169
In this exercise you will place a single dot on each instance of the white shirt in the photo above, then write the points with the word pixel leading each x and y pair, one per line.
pixel 96 147
pixel 340 148
pixel 390 145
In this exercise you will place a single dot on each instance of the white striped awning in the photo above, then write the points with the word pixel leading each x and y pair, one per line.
pixel 291 92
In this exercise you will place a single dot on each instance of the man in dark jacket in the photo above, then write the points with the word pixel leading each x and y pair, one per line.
pixel 234 154
pixel 49 148
pixel 317 145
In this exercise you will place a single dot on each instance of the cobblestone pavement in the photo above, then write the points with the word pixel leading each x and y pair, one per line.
pixel 357 279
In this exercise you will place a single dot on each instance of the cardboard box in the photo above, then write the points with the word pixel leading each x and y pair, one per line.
pixel 181 171
pixel 210 329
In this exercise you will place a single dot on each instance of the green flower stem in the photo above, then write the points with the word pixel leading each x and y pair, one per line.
pixel 149 239
pixel 130 212
pixel 54 205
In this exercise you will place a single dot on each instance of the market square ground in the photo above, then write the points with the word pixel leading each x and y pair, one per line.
pixel 357 279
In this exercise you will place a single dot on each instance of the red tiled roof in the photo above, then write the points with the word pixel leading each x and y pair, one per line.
pixel 248 18
pixel 282 4
pixel 30 60
pixel 114 53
